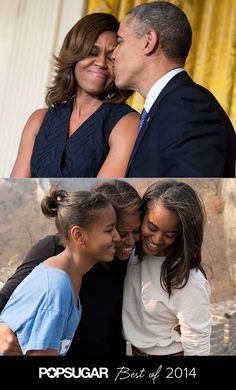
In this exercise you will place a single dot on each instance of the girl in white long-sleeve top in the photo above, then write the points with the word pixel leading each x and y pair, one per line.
pixel 166 305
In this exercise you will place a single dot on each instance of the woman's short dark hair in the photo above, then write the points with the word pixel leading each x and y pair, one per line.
pixel 123 196
pixel 77 208
pixel 77 45
pixel 185 253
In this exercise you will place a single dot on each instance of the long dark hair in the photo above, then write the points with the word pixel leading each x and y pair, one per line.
pixel 77 45
pixel 185 252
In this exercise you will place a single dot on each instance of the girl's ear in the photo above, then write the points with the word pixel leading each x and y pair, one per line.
pixel 76 233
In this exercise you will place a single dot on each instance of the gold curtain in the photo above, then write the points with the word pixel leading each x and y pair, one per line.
pixel 212 58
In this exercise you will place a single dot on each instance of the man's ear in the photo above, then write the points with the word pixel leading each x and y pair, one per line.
pixel 77 235
pixel 152 42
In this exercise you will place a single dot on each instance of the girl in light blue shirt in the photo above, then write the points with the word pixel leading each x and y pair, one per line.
pixel 45 323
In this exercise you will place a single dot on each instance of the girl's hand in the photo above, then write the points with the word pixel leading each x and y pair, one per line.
pixel 9 344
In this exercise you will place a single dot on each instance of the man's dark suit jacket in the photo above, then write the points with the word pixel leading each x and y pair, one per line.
pixel 186 134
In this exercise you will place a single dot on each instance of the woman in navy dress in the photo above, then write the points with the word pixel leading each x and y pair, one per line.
pixel 87 130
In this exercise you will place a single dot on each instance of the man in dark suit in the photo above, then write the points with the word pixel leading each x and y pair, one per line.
pixel 184 132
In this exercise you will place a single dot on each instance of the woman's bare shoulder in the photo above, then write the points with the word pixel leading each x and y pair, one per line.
pixel 35 120
pixel 38 115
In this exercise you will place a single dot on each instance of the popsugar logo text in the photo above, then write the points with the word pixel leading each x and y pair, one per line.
pixel 73 372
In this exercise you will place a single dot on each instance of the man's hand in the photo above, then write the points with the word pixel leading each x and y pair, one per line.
pixel 9 344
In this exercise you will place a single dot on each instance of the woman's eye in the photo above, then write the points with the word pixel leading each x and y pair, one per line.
pixel 152 229
pixel 171 235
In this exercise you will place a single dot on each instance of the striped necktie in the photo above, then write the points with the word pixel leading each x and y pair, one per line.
pixel 142 119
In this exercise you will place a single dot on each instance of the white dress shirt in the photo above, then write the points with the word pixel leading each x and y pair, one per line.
pixel 158 87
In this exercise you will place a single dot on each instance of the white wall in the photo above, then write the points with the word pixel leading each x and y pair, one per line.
pixel 30 31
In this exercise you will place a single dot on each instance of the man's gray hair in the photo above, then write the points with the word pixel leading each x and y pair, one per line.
pixel 170 23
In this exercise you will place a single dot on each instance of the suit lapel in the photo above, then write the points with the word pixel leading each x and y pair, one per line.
pixel 178 80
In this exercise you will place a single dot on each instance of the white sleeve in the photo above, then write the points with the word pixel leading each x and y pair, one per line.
pixel 193 309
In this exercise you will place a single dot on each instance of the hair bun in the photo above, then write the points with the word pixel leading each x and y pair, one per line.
pixel 51 202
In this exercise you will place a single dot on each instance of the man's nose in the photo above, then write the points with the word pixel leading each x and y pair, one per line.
pixel 113 56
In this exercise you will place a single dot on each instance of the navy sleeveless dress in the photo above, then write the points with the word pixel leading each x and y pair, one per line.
pixel 83 153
